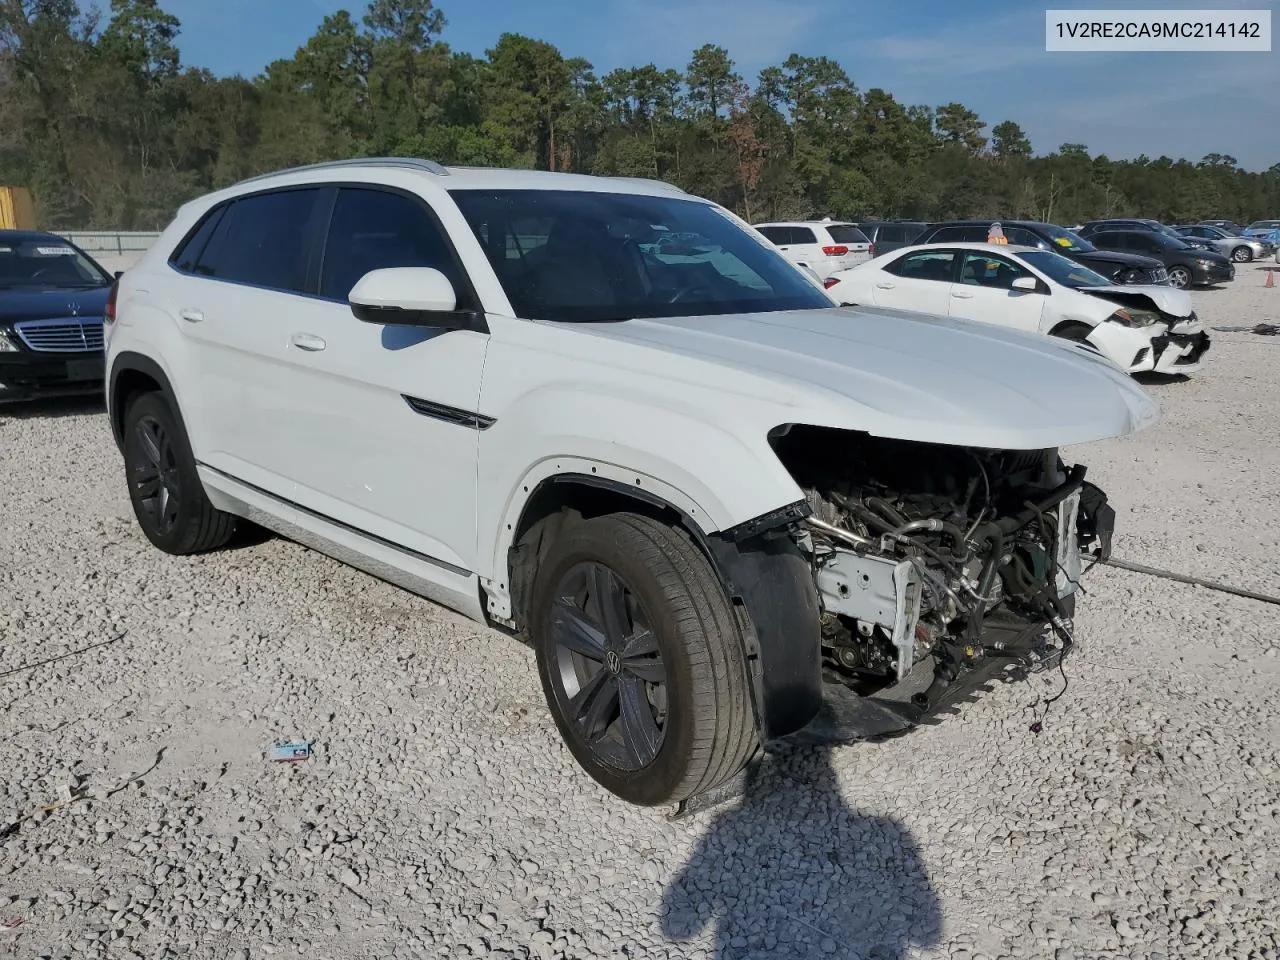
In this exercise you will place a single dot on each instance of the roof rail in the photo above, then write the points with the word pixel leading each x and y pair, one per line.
pixel 651 181
pixel 414 163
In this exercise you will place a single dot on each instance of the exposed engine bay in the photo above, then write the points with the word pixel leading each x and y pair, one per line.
pixel 931 560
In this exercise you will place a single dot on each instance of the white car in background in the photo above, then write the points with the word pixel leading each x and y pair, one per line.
pixel 824 246
pixel 1140 328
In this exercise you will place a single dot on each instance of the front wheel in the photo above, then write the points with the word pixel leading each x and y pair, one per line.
pixel 641 659
pixel 1179 277
pixel 1074 331
pixel 1242 254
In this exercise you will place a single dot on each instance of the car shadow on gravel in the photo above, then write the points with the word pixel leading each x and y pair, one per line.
pixel 794 871
pixel 1160 379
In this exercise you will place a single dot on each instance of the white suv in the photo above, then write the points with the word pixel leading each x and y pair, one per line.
pixel 722 510
pixel 824 246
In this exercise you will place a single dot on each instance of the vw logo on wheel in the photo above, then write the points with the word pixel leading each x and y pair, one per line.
pixel 613 662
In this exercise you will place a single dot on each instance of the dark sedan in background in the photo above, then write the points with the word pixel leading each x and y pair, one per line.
pixel 53 297
pixel 1187 265
pixel 1139 223
pixel 1115 266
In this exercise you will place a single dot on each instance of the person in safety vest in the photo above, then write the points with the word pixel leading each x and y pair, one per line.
pixel 996 234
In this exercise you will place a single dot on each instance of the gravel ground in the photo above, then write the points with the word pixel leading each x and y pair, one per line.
pixel 440 815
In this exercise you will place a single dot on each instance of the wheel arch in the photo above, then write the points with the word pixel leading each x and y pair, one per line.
pixel 133 373
pixel 766 579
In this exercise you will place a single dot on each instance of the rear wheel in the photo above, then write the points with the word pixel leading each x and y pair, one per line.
pixel 167 495
pixel 641 659
pixel 1242 254
pixel 1179 277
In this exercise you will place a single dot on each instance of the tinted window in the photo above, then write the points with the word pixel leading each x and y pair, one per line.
pixel 617 256
pixel 185 257
pixel 778 235
pixel 925 265
pixel 893 234
pixel 843 233
pixel 374 229
pixel 1109 240
pixel 948 235
pixel 984 270
pixel 261 240
pixel 802 235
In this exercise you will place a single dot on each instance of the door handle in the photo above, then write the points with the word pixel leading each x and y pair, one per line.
pixel 190 315
pixel 884 286
pixel 308 341
pixel 962 295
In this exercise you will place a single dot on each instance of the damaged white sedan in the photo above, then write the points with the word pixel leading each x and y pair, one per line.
pixel 1141 329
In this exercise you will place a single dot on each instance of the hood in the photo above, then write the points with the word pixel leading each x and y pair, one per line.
pixel 41 304
pixel 1170 300
pixel 1115 256
pixel 907 375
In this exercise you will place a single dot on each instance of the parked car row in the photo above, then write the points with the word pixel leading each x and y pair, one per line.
pixel 1141 329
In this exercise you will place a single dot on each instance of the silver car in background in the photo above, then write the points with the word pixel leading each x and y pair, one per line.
pixel 1238 248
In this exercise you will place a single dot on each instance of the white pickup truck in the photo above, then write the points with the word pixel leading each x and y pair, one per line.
pixel 722 510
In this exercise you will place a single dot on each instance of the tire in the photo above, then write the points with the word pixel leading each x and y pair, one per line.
pixel 668 645
pixel 168 498
pixel 1242 254
pixel 1179 277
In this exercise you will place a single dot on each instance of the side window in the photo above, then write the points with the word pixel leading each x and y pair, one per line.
pixel 949 235
pixel 802 235
pixel 925 265
pixel 890 234
pixel 985 270
pixel 375 229
pixel 779 236
pixel 188 252
pixel 1022 237
pixel 1107 240
pixel 262 240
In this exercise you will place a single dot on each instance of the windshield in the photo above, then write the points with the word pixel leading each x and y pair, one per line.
pixel 1066 272
pixel 581 257
pixel 1173 241
pixel 47 263
pixel 1066 240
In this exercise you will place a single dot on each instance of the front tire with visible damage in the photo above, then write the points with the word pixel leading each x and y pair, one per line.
pixel 641 659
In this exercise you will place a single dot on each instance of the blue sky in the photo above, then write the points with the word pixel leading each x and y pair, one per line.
pixel 988 54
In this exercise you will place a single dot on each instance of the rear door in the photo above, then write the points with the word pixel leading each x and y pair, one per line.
pixel 919 281
pixel 985 292
pixel 246 272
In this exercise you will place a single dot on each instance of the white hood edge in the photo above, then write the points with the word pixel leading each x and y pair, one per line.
pixel 1170 300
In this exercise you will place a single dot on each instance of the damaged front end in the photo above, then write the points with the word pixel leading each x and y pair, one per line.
pixel 937 568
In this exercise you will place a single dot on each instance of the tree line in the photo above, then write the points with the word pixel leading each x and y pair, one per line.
pixel 106 126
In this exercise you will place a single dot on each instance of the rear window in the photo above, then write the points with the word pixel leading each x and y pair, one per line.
pixel 845 233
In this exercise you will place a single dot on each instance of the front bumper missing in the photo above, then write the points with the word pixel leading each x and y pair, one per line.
pixel 1179 352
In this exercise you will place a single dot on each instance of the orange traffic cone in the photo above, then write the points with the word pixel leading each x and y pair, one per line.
pixel 1271 279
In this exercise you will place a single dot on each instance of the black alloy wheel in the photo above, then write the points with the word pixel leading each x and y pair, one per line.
pixel 153 475
pixel 608 676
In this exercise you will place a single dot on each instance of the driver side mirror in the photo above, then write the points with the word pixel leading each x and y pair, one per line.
pixel 1029 284
pixel 409 297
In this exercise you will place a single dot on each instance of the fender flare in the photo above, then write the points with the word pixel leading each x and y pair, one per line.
pixel 127 361
pixel 767 581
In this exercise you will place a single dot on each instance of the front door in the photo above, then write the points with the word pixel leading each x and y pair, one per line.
pixel 385 433
pixel 985 292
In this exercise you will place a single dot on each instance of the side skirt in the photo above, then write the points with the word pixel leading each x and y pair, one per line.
pixel 433 580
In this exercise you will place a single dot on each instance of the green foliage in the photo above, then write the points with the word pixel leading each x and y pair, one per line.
pixel 101 120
